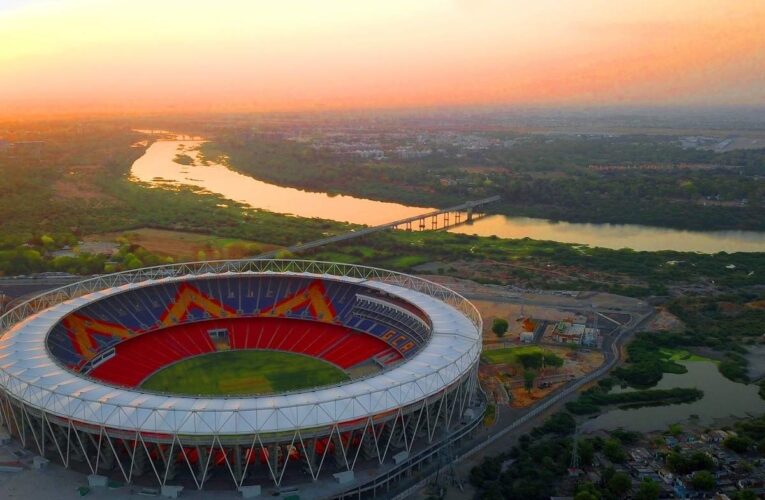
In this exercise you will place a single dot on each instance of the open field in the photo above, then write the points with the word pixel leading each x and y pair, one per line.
pixel 510 355
pixel 246 372
pixel 183 245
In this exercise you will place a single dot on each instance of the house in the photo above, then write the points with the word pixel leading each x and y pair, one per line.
pixel 719 435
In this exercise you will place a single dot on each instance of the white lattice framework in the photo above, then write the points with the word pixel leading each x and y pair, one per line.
pixel 130 432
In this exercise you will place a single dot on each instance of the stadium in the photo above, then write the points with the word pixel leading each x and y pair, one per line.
pixel 321 379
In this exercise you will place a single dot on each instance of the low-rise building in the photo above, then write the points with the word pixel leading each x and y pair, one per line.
pixel 565 332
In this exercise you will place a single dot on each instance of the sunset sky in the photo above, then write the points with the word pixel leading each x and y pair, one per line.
pixel 140 55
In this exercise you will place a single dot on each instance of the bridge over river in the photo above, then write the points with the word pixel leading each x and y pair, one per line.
pixel 444 218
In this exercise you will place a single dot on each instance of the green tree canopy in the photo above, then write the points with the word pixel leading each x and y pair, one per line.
pixel 703 480
pixel 648 490
pixel 620 483
pixel 499 326
pixel 528 380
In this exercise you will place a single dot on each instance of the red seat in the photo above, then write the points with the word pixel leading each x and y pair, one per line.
pixel 137 358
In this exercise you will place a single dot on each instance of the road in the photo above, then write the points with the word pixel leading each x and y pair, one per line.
pixel 498 438
pixel 20 288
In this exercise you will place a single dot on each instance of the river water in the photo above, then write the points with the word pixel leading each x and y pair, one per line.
pixel 156 167
pixel 618 235
pixel 722 399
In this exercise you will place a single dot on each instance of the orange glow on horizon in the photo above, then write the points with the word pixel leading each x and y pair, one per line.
pixel 137 56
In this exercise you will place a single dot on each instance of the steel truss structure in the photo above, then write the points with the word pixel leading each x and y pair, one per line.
pixel 223 445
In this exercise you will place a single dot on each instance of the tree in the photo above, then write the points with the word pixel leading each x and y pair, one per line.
pixel 648 490
pixel 745 495
pixel 550 359
pixel 761 446
pixel 285 254
pixel 132 262
pixel 685 464
pixel 703 480
pixel 586 451
pixel 560 423
pixel 675 429
pixel 620 484
pixel 613 450
pixel 587 491
pixel 47 241
pixel 531 360
pixel 586 495
pixel 499 326
pixel 736 443
pixel 528 380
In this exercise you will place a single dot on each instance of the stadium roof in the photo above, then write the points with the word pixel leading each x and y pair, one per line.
pixel 30 373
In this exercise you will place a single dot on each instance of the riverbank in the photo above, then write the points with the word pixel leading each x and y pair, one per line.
pixel 647 181
pixel 208 167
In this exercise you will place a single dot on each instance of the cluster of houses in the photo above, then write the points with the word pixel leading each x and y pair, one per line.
pixel 733 472
pixel 21 148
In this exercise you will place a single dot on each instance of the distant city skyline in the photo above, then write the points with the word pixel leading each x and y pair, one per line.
pixel 71 56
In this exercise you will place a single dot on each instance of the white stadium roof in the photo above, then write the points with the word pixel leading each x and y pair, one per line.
pixel 29 373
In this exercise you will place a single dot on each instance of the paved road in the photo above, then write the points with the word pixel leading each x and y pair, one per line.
pixel 19 289
pixel 512 423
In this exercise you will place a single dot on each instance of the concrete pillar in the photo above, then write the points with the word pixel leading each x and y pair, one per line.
pixel 309 454
pixel 169 470
pixel 139 460
pixel 398 440
pixel 204 455
pixel 106 459
pixel 368 448
pixel 274 454
pixel 338 451
pixel 237 465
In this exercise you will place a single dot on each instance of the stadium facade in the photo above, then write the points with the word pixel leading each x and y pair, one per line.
pixel 72 362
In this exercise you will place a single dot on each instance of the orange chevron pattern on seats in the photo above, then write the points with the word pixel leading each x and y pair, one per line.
pixel 82 330
pixel 189 296
pixel 313 295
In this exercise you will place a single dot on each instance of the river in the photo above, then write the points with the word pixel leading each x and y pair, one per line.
pixel 156 167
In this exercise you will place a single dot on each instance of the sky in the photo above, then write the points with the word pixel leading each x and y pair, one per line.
pixel 65 56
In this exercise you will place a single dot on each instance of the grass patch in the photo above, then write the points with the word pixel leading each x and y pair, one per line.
pixel 510 355
pixel 529 357
pixel 245 372
pixel 183 245
pixel 683 355
pixel 407 261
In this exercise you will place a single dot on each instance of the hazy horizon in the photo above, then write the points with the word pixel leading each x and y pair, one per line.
pixel 83 56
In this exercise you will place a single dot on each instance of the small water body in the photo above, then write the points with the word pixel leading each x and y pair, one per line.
pixel 157 168
pixel 722 399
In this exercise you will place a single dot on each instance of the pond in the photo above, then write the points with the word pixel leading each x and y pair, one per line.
pixel 722 399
